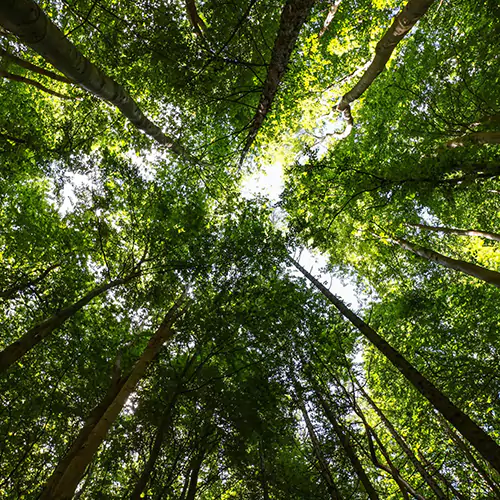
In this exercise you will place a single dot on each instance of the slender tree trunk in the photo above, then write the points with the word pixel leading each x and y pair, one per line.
pixel 10 292
pixel 323 465
pixel 26 20
pixel 163 428
pixel 330 17
pixel 33 83
pixel 401 25
pixel 405 488
pixel 492 277
pixel 32 67
pixel 349 450
pixel 407 450
pixel 457 232
pixel 293 16
pixel 15 351
pixel 476 436
pixel 444 480
pixel 263 475
pixel 472 459
pixel 62 484
pixel 195 472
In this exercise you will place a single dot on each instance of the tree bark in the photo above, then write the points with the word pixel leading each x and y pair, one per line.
pixel 196 21
pixel 26 20
pixel 323 465
pixel 401 25
pixel 32 67
pixel 15 351
pixel 475 138
pixel 62 484
pixel 457 232
pixel 330 17
pixel 349 451
pixel 33 83
pixel 195 472
pixel 407 450
pixel 476 436
pixel 492 277
pixel 293 16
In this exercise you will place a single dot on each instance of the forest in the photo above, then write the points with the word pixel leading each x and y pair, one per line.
pixel 162 332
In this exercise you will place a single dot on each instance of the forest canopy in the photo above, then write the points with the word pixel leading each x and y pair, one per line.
pixel 162 335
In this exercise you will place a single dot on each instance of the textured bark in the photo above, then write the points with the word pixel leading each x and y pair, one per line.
pixel 401 25
pixel 32 67
pixel 492 277
pixel 293 16
pixel 63 483
pixel 407 450
pixel 330 17
pixel 26 20
pixel 457 232
pixel 346 445
pixel 476 436
pixel 15 351
pixel 33 83
pixel 322 464
pixel 196 21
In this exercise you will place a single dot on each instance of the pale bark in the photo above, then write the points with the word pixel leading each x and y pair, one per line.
pixel 492 277
pixel 293 16
pixel 322 464
pixel 33 83
pixel 64 481
pixel 330 17
pixel 474 138
pixel 457 232
pixel 401 25
pixel 32 67
pixel 404 446
pixel 26 20
pixel 476 436
pixel 346 445
pixel 15 351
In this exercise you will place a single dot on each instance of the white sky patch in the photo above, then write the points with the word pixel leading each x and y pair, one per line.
pixel 68 194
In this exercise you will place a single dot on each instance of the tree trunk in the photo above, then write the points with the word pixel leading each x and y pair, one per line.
pixel 322 464
pixel 33 83
pixel 195 472
pixel 263 475
pixel 401 25
pixel 407 450
pixel 62 484
pixel 476 436
pixel 472 459
pixel 155 452
pixel 32 67
pixel 293 16
pixel 15 351
pixel 330 17
pixel 457 232
pixel 492 277
pixel 26 20
pixel 475 138
pixel 196 21
pixel 349 451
